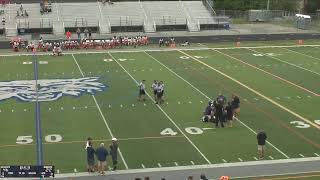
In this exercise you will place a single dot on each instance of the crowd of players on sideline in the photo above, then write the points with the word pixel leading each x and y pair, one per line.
pixel 57 46
pixel 221 111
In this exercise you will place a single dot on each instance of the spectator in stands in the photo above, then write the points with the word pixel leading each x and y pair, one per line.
pixel 86 31
pixel 79 34
pixel 102 154
pixel 3 21
pixel 147 178
pixel 21 9
pixel 26 14
pixel 90 33
pixel 190 178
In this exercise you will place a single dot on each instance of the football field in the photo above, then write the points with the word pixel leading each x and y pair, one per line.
pixel 51 105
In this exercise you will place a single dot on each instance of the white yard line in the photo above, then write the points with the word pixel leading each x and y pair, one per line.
pixel 150 50
pixel 275 76
pixel 195 88
pixel 199 167
pixel 170 119
pixel 103 117
pixel 278 59
pixel 256 92
pixel 302 54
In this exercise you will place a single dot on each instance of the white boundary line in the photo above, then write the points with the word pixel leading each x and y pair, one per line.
pixel 256 92
pixel 302 54
pixel 103 117
pixel 150 50
pixel 267 72
pixel 194 167
pixel 278 59
pixel 211 99
pixel 204 157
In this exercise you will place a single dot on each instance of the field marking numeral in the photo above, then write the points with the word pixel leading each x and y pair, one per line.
pixel 258 55
pixel 189 130
pixel 24 140
pixel 53 138
pixel 265 54
pixel 168 131
pixel 300 124
pixel 193 130
pixel 317 122
pixel 120 59
pixel 187 57
pixel 49 138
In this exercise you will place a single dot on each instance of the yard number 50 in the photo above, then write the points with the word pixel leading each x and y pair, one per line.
pixel 49 138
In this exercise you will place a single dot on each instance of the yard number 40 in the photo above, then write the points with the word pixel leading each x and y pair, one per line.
pixel 49 138
pixel 190 130
pixel 303 125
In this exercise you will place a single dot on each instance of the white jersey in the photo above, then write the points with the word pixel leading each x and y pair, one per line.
pixel 142 86
pixel 154 86
pixel 160 88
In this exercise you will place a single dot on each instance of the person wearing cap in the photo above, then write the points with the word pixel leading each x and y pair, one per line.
pixel 114 152
pixel 101 153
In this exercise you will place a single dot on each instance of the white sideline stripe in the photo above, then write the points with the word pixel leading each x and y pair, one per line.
pixel 301 155
pixel 163 112
pixel 210 98
pixel 297 66
pixel 240 159
pixel 104 119
pixel 143 166
pixel 271 157
pixel 267 72
pixel 177 168
pixel 317 154
pixel 302 54
pixel 157 50
pixel 159 165
pixel 256 92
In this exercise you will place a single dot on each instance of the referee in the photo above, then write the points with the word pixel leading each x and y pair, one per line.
pixel 142 90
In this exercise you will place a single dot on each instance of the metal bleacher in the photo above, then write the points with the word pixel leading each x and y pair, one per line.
pixel 147 16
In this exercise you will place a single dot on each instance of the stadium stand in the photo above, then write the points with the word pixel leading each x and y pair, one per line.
pixel 104 18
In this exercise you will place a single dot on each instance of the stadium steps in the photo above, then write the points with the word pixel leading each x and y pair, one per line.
pixel 199 12
pixel 149 27
pixel 165 12
pixel 11 30
pixel 58 28
pixel 191 23
pixel 80 14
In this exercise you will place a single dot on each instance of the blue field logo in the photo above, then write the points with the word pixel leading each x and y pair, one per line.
pixel 49 89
